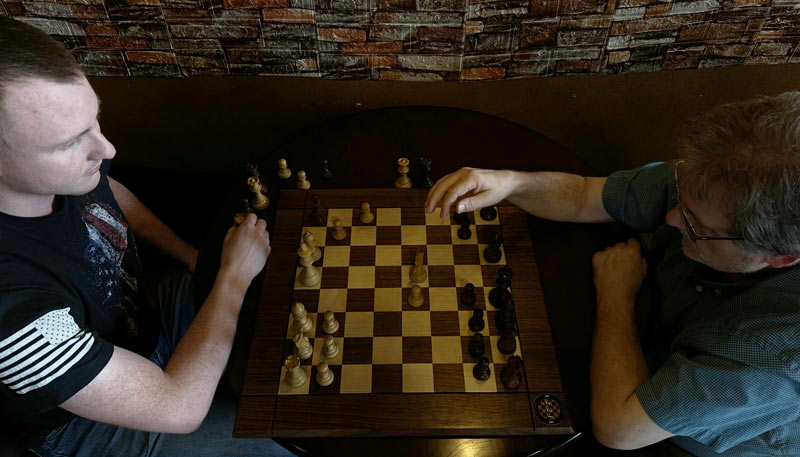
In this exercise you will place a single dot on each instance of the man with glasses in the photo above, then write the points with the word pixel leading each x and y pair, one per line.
pixel 723 375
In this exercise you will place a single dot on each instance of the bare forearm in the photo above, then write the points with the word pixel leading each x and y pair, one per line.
pixel 558 196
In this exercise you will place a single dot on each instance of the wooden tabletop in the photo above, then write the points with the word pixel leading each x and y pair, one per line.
pixel 361 151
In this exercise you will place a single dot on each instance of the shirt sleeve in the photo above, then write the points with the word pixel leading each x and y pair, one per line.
pixel 641 198
pixel 717 401
pixel 46 355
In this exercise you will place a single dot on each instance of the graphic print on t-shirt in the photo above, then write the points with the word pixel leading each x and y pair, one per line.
pixel 42 351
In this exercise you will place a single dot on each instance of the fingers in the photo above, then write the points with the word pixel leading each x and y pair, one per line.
pixel 458 189
pixel 479 200
pixel 438 190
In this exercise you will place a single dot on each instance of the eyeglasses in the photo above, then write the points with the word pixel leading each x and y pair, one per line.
pixel 688 224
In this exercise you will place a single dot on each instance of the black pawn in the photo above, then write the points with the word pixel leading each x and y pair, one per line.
pixel 325 172
pixel 493 254
pixel 425 162
pixel 507 343
pixel 506 273
pixel 489 213
pixel 464 232
pixel 476 346
pixel 499 296
pixel 482 372
pixel 476 323
pixel 468 295
pixel 511 376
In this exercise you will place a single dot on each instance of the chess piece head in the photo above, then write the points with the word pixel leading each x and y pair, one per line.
pixel 337 224
pixel 477 313
pixel 402 162
pixel 301 175
pixel 469 287
pixel 282 163
pixel 303 250
pixel 365 207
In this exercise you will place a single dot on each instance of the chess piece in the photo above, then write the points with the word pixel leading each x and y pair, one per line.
pixel 425 163
pixel 366 215
pixel 418 272
pixel 302 182
pixel 330 349
pixel 324 375
pixel 500 297
pixel 318 213
pixel 489 213
pixel 476 346
pixel 464 232
pixel 339 232
pixel 309 275
pixel 402 181
pixel 492 253
pixel 511 376
pixel 415 298
pixel 283 171
pixel 301 320
pixel 505 319
pixel 325 172
pixel 468 295
pixel 254 173
pixel 295 374
pixel 482 372
pixel 505 273
pixel 246 209
pixel 304 349
pixel 476 322
pixel 308 239
pixel 507 343
pixel 258 199
pixel 331 324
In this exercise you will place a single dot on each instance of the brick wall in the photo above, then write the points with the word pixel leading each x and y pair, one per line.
pixel 414 40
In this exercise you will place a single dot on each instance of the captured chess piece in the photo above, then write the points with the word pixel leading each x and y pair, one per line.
pixel 246 209
pixel 283 171
pixel 324 374
pixel 511 376
pixel 331 325
pixel 339 232
pixel 507 343
pixel 492 253
pixel 304 349
pixel 254 173
pixel 258 199
pixel 464 232
pixel 301 320
pixel 308 239
pixel 302 182
pixel 482 372
pixel 295 374
pixel 402 181
pixel 418 272
pixel 425 163
pixel 310 275
pixel 488 213
pixel 318 213
pixel 415 298
pixel 468 295
pixel 325 172
pixel 476 347
pixel 330 349
pixel 476 322
pixel 366 214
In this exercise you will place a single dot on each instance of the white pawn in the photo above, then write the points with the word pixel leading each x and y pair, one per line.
pixel 339 232
pixel 366 215
pixel 283 171
pixel 330 350
pixel 324 374
pixel 302 182
pixel 308 239
pixel 301 320
pixel 331 324
pixel 295 374
pixel 304 349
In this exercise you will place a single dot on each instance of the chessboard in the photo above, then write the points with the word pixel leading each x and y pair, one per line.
pixel 400 369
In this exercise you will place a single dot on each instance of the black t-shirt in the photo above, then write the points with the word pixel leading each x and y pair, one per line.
pixel 69 292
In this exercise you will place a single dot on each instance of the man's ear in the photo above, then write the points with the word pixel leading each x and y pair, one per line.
pixel 780 261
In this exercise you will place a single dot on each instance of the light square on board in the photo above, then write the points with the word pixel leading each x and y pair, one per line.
pixel 473 385
pixel 406 277
pixel 336 256
pixel 358 324
pixel 387 350
pixel 343 214
pixel 446 349
pixel 363 236
pixel 319 234
pixel 319 343
pixel 440 254
pixel 418 377
pixel 463 323
pixel 298 285
pixel 502 261
pixel 499 357
pixel 473 239
pixel 387 255
pixel 469 273
pixel 389 299
pixel 417 323
pixel 332 300
pixel 388 216
pixel 435 218
pixel 286 389
pixel 443 298
pixel 361 278
pixel 413 235
pixel 356 379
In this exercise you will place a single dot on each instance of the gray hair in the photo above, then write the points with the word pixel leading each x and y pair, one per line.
pixel 750 151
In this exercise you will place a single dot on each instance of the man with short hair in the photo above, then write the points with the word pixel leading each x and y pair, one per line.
pixel 91 362
pixel 723 374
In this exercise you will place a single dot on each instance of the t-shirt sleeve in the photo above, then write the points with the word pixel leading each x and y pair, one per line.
pixel 46 354
pixel 717 401
pixel 641 198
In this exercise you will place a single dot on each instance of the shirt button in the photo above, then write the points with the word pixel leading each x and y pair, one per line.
pixel 698 288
